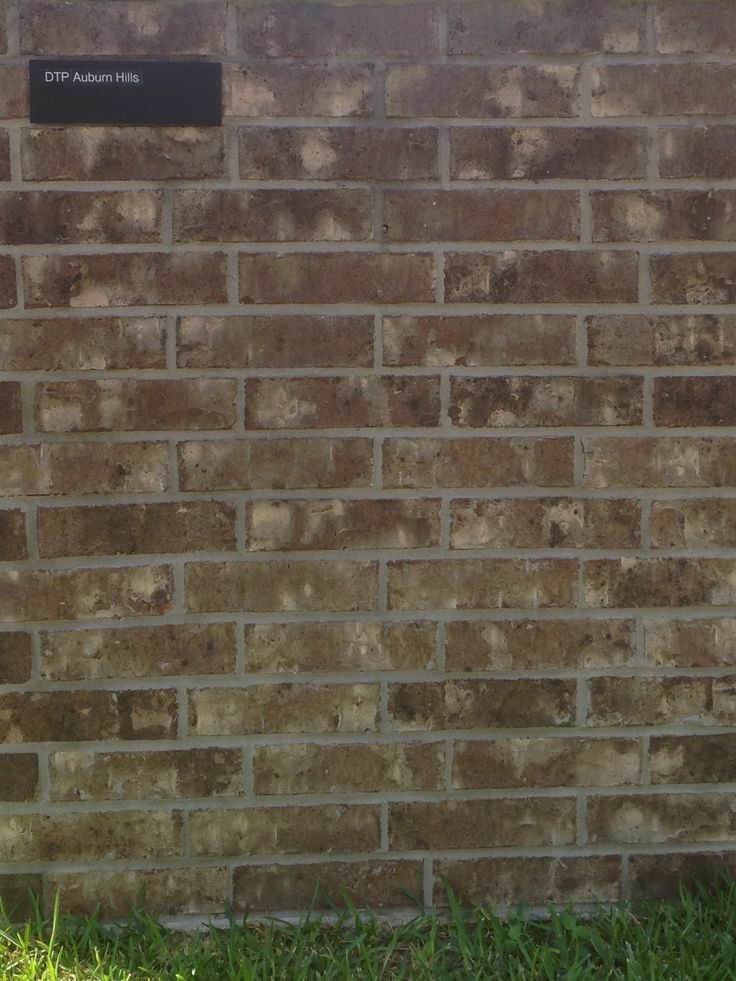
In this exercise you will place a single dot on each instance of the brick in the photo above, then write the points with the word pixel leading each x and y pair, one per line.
pixel 15 658
pixel 78 716
pixel 3 28
pixel 523 645
pixel 67 344
pixel 12 536
pixel 8 294
pixel 694 401
pixel 690 643
pixel 283 708
pixel 545 523
pixel 693 759
pixel 107 153
pixel 661 701
pixel 355 646
pixel 490 339
pixel 280 587
pixel 11 412
pixel 659 582
pixel 37 217
pixel 351 402
pixel 323 30
pixel 59 595
pixel 274 464
pixel 298 90
pixel 126 404
pixel 20 894
pixel 271 216
pixel 568 28
pixel 338 153
pixel 13 92
pixel 693 524
pixel 43 469
pixel 656 216
pixel 307 525
pixel 138 652
pixel 659 819
pixel 286 830
pixel 18 776
pixel 664 340
pixel 80 775
pixel 474 704
pixel 477 462
pixel 274 342
pixel 151 278
pixel 325 884
pixel 58 28
pixel 660 461
pixel 697 151
pixel 548 153
pixel 681 27
pixel 482 823
pixel 546 401
pixel 663 90
pixel 541 277
pixel 4 162
pixel 542 762
pixel 348 768
pixel 484 92
pixel 658 877
pixel 85 836
pixel 137 529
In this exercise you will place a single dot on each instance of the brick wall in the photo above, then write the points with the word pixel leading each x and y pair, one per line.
pixel 368 464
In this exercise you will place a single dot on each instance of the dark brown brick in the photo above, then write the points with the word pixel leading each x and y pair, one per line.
pixel 663 90
pixel 11 412
pixel 637 339
pixel 4 156
pixel 298 89
pixel 37 217
pixel 657 216
pixel 690 643
pixel 693 759
pixel 704 523
pixel 8 293
pixel 682 27
pixel 660 582
pixel 657 877
pixel 705 401
pixel 77 345
pixel 12 535
pixel 18 776
pixel 20 894
pixel 13 91
pixel 15 658
pixel 698 151
pixel 664 461
pixel 662 818
pixel 661 701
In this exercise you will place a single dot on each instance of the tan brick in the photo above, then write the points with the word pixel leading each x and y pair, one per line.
pixel 20 893
pixel 286 830
pixel 69 344
pixel 523 645
pixel 137 529
pixel 656 216
pixel 697 151
pixel 482 823
pixel 8 294
pixel 322 30
pixel 274 342
pixel 477 462
pixel 18 776
pixel 683 27
pixel 555 522
pixel 662 818
pixel 307 525
pixel 353 646
pixel 660 461
pixel 500 91
pixel 13 92
pixel 664 340
pixel 271 216
pixel 474 704
pixel 11 412
pixel 693 524
pixel 338 153
pixel 156 278
pixel 283 708
pixel 36 217
pixel 690 643
pixel 79 775
pixel 663 90
pixel 4 176
pixel 694 401
pixel 691 278
pixel 541 277
pixel 659 582
pixel 693 759
pixel 12 535
pixel 657 877
pixel 325 884
pixel 298 89
pixel 467 584
pixel 351 402
pixel 544 153
pixel 59 595
pixel 126 404
pixel 348 768
pixel 661 701
pixel 348 277
pixel 138 652
pixel 15 658
pixel 274 464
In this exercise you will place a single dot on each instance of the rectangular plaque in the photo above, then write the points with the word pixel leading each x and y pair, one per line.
pixel 135 93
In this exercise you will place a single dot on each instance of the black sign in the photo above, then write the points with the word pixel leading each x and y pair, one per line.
pixel 143 93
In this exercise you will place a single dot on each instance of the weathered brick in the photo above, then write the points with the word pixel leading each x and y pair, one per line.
pixel 280 586
pixel 500 91
pixel 693 524
pixel 4 28
pixel 551 276
pixel 655 216
pixel 298 90
pixel 663 340
pixel 662 818
pixel 351 402
pixel 693 759
pixel 656 877
pixel 20 893
pixel 13 91
pixel 15 658
pixel 107 153
pixel 12 536
pixel 543 153
pixel 80 775
pixel 523 645
pixel 37 217
pixel 69 344
pixel 126 404
pixel 8 293
pixel 690 643
pixel 683 27
pixel 283 708
pixel 700 277
pixel 662 90
pixel 274 464
pixel 286 830
pixel 477 462
pixel 684 401
pixel 307 525
pixel 273 342
pixel 659 582
pixel 338 153
pixel 661 701
pixel 11 412
pixel 59 595
pixel 138 652
pixel 161 892
pixel 555 522
pixel 18 776
pixel 4 163
pixel 697 151
pixel 348 768
pixel 347 277
pixel 327 30
pixel 355 646
pixel 546 401
pixel 474 704
pixel 660 461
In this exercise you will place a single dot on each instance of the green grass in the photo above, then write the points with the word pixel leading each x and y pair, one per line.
pixel 657 942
